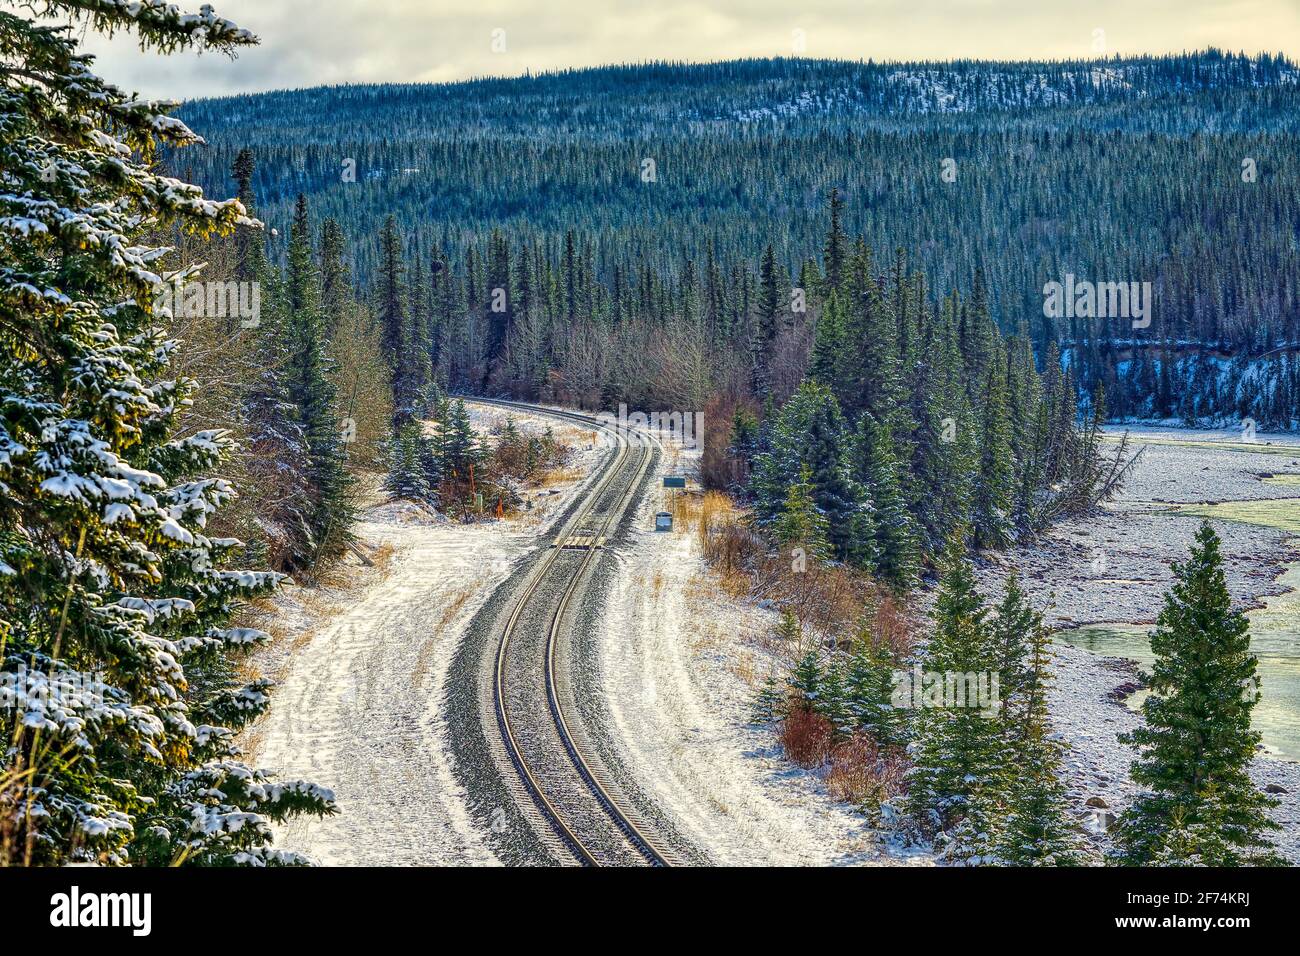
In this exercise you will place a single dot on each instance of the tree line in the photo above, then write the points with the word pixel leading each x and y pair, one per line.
pixel 910 414
pixel 1168 170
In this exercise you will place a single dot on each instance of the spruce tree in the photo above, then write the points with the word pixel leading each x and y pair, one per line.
pixel 1038 829
pixel 833 701
pixel 770 702
pixel 1199 806
pixel 313 394
pixel 789 630
pixel 806 680
pixel 869 688
pixel 1014 628
pixel 274 429
pixel 944 456
pixel 108 576
pixel 895 534
pixel 390 292
pixel 810 431
pixel 335 277
pixel 408 473
pixel 766 323
pixel 994 499
pixel 458 449
pixel 961 764
pixel 801 523
pixel 831 348
pixel 413 377
pixel 835 252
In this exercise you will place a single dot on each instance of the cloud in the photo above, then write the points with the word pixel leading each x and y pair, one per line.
pixel 309 43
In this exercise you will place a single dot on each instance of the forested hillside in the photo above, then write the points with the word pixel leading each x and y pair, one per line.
pixel 668 182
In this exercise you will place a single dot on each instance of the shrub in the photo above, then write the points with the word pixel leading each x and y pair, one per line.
pixel 806 737
pixel 864 774
pixel 722 466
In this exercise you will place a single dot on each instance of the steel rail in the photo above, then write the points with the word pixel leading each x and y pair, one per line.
pixel 639 840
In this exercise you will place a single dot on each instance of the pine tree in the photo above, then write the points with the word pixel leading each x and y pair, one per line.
pixel 313 394
pixel 276 435
pixel 806 680
pixel 810 431
pixel 1038 829
pixel 770 702
pixel 250 256
pixel 993 520
pixel 107 575
pixel 788 630
pixel 766 322
pixel 1199 807
pixel 833 702
pixel 943 456
pixel 391 298
pixel 873 376
pixel 896 537
pixel 1014 629
pixel 869 687
pixel 408 476
pixel 832 347
pixel 458 448
pixel 414 375
pixel 335 277
pixel 836 250
pixel 961 762
pixel 800 523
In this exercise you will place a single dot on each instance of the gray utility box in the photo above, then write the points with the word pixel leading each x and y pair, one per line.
pixel 664 521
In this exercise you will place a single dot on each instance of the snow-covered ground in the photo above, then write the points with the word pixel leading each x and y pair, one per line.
pixel 681 663
pixel 361 664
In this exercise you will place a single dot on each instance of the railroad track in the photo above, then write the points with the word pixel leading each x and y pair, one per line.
pixel 547 747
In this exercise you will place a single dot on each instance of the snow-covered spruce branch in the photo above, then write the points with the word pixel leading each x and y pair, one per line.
pixel 109 579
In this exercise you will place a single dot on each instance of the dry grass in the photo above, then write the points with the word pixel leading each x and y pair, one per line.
pixel 565 474
pixel 699 511
pixel 862 774
pixel 425 658
pixel 454 607
pixel 831 601
pixel 745 669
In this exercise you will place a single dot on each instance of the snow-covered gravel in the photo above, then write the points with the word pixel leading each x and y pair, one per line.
pixel 361 666
pixel 680 662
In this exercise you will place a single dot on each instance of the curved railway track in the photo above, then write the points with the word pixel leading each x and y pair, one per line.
pixel 545 744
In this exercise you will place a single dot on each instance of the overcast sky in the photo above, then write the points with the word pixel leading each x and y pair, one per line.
pixel 313 42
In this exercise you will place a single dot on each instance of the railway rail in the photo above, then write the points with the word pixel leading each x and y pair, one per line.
pixel 545 744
